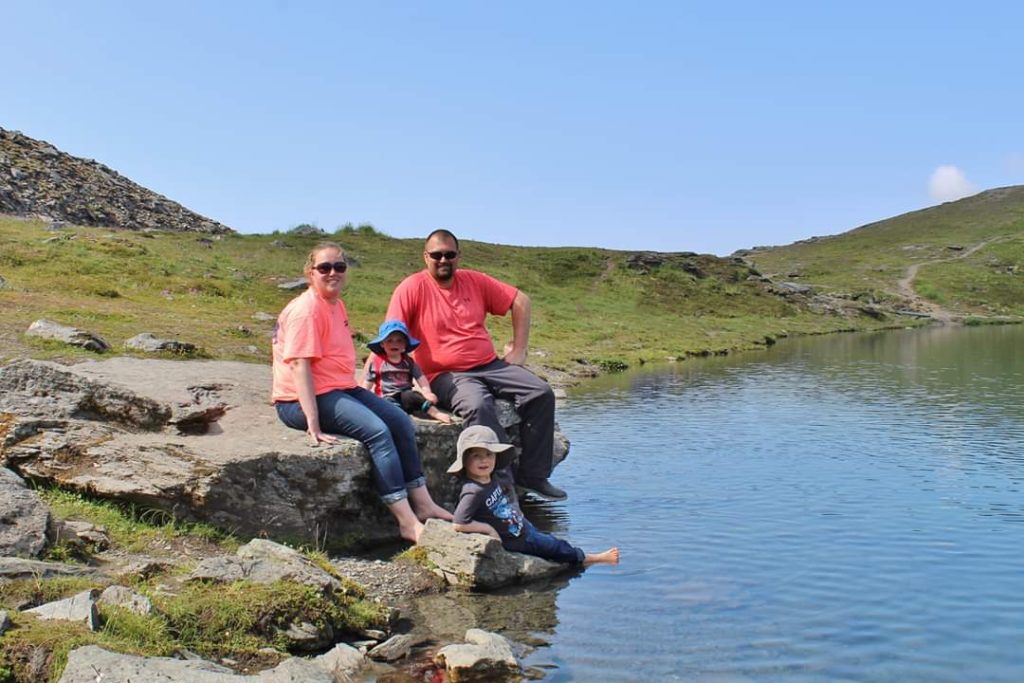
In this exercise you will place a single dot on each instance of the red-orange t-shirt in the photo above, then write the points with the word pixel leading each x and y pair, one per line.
pixel 310 327
pixel 450 322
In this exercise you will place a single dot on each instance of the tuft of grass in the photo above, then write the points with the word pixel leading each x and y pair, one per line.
pixel 131 527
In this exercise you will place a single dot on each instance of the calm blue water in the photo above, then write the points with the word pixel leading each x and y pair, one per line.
pixel 843 508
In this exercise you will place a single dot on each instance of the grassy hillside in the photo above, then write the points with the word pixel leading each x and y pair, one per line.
pixel 599 306
pixel 967 257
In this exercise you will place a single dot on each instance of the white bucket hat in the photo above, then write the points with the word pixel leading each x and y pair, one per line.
pixel 479 436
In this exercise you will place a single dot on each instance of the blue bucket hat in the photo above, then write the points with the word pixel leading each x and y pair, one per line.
pixel 386 328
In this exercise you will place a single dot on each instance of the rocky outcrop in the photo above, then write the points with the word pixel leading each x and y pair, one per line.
pixel 263 561
pixel 24 518
pixel 91 663
pixel 37 179
pixel 484 658
pixel 477 561
pixel 199 439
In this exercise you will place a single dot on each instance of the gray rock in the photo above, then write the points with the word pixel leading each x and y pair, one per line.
pixel 478 561
pixel 485 657
pixel 13 568
pixel 294 285
pixel 126 598
pixel 150 344
pixel 3 282
pixel 5 622
pixel 795 288
pixel 83 534
pixel 81 607
pixel 116 428
pixel 307 637
pixel 47 329
pixel 59 187
pixel 393 649
pixel 263 561
pixel 263 316
pixel 342 661
pixel 91 663
pixel 24 518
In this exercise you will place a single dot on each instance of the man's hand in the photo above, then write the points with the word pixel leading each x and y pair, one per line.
pixel 514 356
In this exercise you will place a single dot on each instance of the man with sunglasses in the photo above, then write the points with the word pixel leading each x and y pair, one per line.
pixel 446 309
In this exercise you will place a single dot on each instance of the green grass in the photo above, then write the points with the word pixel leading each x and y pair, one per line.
pixel 131 528
pixel 871 260
pixel 238 620
pixel 588 304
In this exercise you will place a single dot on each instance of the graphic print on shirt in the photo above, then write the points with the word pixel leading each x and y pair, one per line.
pixel 498 503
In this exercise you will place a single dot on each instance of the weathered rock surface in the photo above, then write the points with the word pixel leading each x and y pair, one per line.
pixel 484 658
pixel 263 561
pixel 478 561
pixel 13 568
pixel 80 607
pixel 47 329
pixel 24 518
pixel 394 648
pixel 148 343
pixel 37 179
pixel 90 664
pixel 126 598
pixel 200 440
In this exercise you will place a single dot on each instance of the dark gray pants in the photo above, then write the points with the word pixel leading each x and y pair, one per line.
pixel 471 393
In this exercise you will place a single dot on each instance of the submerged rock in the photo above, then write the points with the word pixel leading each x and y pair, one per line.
pixel 484 658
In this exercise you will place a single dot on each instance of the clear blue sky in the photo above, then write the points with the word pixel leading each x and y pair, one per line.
pixel 641 125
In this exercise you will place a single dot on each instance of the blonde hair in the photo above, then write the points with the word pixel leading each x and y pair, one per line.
pixel 321 246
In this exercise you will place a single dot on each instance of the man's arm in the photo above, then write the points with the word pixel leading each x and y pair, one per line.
pixel 515 350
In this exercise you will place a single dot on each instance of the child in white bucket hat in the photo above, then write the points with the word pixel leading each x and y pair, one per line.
pixel 488 503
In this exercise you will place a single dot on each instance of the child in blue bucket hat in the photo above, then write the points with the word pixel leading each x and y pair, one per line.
pixel 392 374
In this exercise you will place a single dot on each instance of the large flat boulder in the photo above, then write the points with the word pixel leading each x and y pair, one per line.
pixel 201 440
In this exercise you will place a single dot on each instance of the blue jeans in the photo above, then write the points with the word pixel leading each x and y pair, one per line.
pixel 541 544
pixel 384 428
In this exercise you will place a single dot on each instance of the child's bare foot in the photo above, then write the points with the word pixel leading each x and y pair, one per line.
pixel 439 415
pixel 610 556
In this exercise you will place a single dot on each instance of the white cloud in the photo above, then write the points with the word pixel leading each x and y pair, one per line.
pixel 948 183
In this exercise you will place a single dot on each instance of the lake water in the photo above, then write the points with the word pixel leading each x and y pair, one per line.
pixel 839 508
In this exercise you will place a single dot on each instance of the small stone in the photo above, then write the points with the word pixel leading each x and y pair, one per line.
pixel 393 649
pixel 81 607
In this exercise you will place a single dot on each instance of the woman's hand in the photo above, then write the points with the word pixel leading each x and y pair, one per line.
pixel 316 437
pixel 430 396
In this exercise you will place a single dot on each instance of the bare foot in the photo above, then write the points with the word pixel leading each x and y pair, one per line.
pixel 439 415
pixel 610 556
pixel 411 532
pixel 433 511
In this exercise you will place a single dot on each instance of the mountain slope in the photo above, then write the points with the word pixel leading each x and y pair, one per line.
pixel 962 258
pixel 37 179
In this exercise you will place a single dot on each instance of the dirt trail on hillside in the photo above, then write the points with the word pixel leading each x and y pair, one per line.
pixel 905 285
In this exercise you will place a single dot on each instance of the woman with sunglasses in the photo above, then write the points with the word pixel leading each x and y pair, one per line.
pixel 315 390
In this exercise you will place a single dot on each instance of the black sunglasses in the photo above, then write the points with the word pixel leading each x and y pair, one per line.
pixel 438 255
pixel 325 268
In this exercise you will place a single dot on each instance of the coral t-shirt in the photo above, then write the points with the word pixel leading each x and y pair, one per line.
pixel 310 327
pixel 450 322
